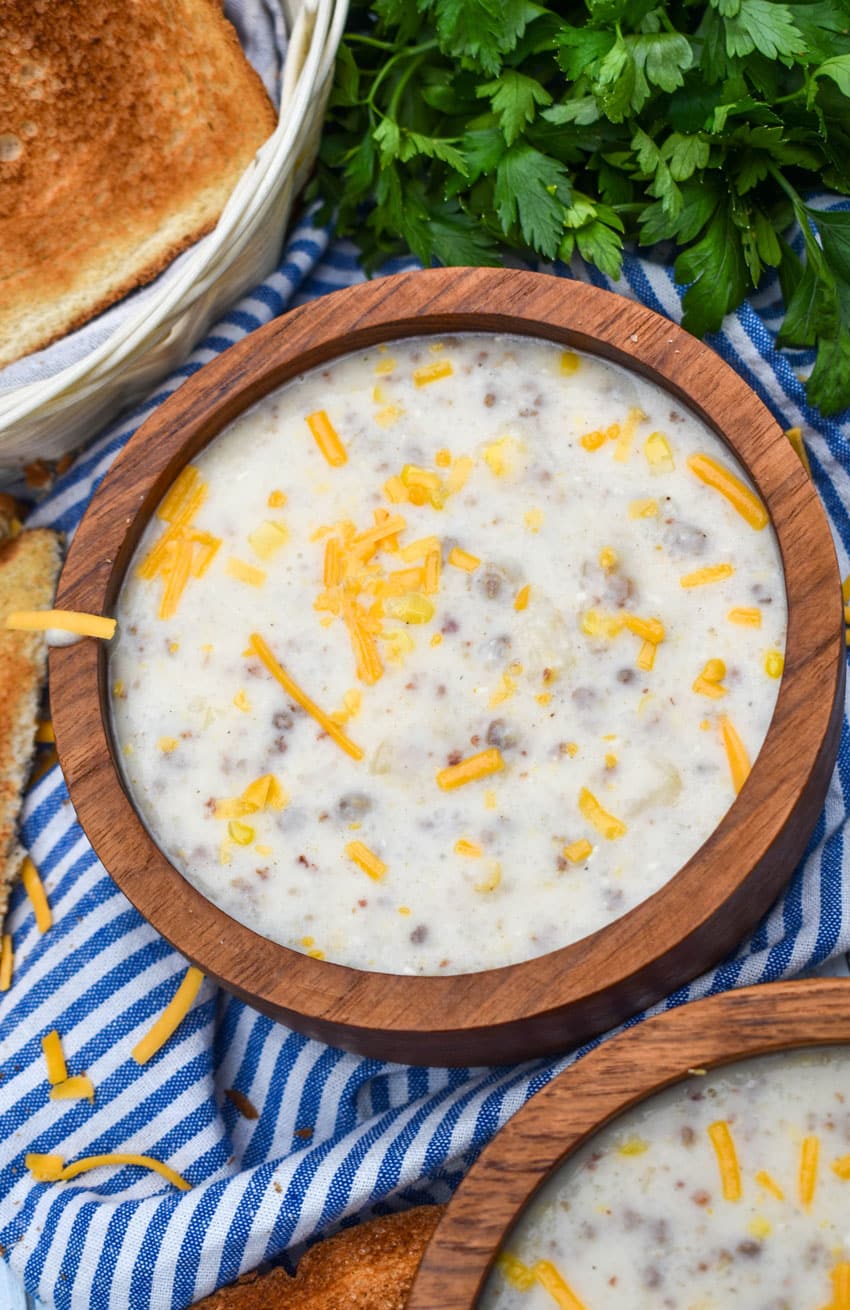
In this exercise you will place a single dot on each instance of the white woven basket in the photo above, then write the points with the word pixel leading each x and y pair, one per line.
pixel 47 418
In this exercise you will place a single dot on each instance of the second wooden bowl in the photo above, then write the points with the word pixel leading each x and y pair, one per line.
pixel 544 1004
pixel 620 1074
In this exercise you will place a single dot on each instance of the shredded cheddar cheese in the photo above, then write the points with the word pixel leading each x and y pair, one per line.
pixel 244 572
pixel 774 663
pixel 170 1019
pixel 52 1168
pixel 292 689
pixel 470 849
pixel 34 888
pixel 7 958
pixel 569 363
pixel 561 1293
pixel 276 500
pixel 577 851
pixel 736 754
pixel 327 439
pixel 522 597
pixel 84 625
pixel 808 1174
pixel 840 1276
pixel 366 860
pixel 441 368
pixel 651 630
pixel 419 549
pixel 720 479
pixel 473 768
pixel 462 559
pixel 764 1179
pixel 723 1142
pixel 77 1088
pixel 57 1070
pixel 44 732
pixel 634 418
pixel 795 437
pixel 745 617
pixel 646 656
pixel 607 825
pixel 516 1273
pixel 704 577
pixel 841 1167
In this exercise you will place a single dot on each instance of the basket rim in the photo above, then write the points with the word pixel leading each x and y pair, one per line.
pixel 268 169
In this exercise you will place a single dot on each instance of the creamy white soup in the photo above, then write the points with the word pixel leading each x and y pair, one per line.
pixel 730 1191
pixel 447 654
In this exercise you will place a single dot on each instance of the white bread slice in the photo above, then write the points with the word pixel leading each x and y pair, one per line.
pixel 123 130
pixel 29 567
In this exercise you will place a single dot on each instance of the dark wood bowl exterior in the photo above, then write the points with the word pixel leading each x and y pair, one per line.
pixel 621 1073
pixel 545 1004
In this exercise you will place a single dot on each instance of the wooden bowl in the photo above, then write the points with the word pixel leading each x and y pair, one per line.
pixel 609 1081
pixel 544 1004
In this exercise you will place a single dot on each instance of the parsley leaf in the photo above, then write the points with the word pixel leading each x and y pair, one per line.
pixel 531 187
pixel 456 128
pixel 515 98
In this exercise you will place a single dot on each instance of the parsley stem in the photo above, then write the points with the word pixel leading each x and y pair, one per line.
pixel 408 53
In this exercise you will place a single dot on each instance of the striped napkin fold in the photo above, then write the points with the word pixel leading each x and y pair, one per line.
pixel 336 1136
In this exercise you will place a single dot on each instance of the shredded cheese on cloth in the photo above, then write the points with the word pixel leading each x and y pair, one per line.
pixel 170 1019
pixel 7 959
pixel 34 888
pixel 52 1168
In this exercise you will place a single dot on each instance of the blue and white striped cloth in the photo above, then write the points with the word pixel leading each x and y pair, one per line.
pixel 337 1136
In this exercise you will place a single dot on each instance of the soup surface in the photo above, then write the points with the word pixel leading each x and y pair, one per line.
pixel 731 1189
pixel 447 654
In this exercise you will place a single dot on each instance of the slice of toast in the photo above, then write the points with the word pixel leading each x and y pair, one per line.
pixel 123 130
pixel 370 1267
pixel 29 567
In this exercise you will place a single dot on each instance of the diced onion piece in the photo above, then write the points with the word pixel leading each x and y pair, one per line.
pixel 172 1016
pixel 82 625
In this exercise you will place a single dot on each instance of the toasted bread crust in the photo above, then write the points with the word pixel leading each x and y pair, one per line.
pixel 123 130
pixel 370 1267
pixel 29 567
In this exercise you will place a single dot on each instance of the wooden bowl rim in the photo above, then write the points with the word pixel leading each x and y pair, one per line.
pixel 348 1005
pixel 624 1071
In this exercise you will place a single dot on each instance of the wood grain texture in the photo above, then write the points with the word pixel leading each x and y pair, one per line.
pixel 548 1003
pixel 616 1076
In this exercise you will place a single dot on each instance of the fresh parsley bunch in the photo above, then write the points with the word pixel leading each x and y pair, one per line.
pixel 470 124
